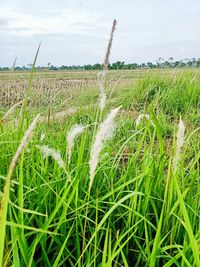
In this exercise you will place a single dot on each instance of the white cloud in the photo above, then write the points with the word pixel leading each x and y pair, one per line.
pixel 66 21
pixel 76 32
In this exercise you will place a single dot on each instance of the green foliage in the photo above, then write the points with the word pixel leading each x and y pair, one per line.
pixel 119 65
pixel 138 213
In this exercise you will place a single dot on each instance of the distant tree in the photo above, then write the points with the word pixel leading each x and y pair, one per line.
pixel 143 65
pixel 167 64
pixel 194 62
pixel 198 62
pixel 189 62
pixel 118 65
pixel 171 60
pixel 160 62
pixel 88 67
pixel 150 65
pixel 53 68
pixel 183 63
pixel 5 68
pixel 177 63
pixel 97 66
pixel 131 66
pixel 30 65
pixel 49 65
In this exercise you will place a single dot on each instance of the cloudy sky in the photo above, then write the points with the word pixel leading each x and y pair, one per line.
pixel 76 31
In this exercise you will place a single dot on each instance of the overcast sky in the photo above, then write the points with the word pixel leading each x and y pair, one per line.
pixel 76 31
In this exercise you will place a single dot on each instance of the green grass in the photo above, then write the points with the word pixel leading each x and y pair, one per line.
pixel 139 212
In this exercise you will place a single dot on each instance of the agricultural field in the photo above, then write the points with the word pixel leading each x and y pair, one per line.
pixel 89 184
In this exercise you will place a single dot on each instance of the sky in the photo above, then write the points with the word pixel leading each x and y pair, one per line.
pixel 76 32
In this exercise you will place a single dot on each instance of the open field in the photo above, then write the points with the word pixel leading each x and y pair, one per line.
pixel 142 207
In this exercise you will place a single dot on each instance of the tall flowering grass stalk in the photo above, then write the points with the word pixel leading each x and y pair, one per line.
pixel 101 75
pixel 71 136
pixel 108 50
pixel 102 97
pixel 104 133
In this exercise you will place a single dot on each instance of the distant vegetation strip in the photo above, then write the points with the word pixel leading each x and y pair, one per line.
pixel 118 65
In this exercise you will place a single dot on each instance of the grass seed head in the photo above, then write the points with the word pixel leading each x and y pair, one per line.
pixel 72 134
pixel 104 133
pixel 143 116
pixel 179 143
pixel 51 152
pixel 108 50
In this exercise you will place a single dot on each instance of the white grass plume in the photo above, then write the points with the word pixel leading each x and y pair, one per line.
pixel 104 133
pixel 101 75
pixel 47 151
pixel 179 143
pixel 72 134
pixel 141 117
pixel 25 140
pixel 11 110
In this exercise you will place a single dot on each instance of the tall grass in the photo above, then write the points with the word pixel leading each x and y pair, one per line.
pixel 140 212
pixel 128 197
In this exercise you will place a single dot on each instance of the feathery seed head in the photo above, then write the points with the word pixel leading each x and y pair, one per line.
pixel 72 134
pixel 179 143
pixel 104 133
pixel 140 117
pixel 108 50
pixel 101 75
pixel 47 151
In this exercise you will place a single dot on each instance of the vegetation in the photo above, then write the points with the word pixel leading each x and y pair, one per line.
pixel 120 65
pixel 142 207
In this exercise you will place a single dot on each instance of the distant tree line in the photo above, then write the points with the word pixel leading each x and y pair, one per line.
pixel 120 65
